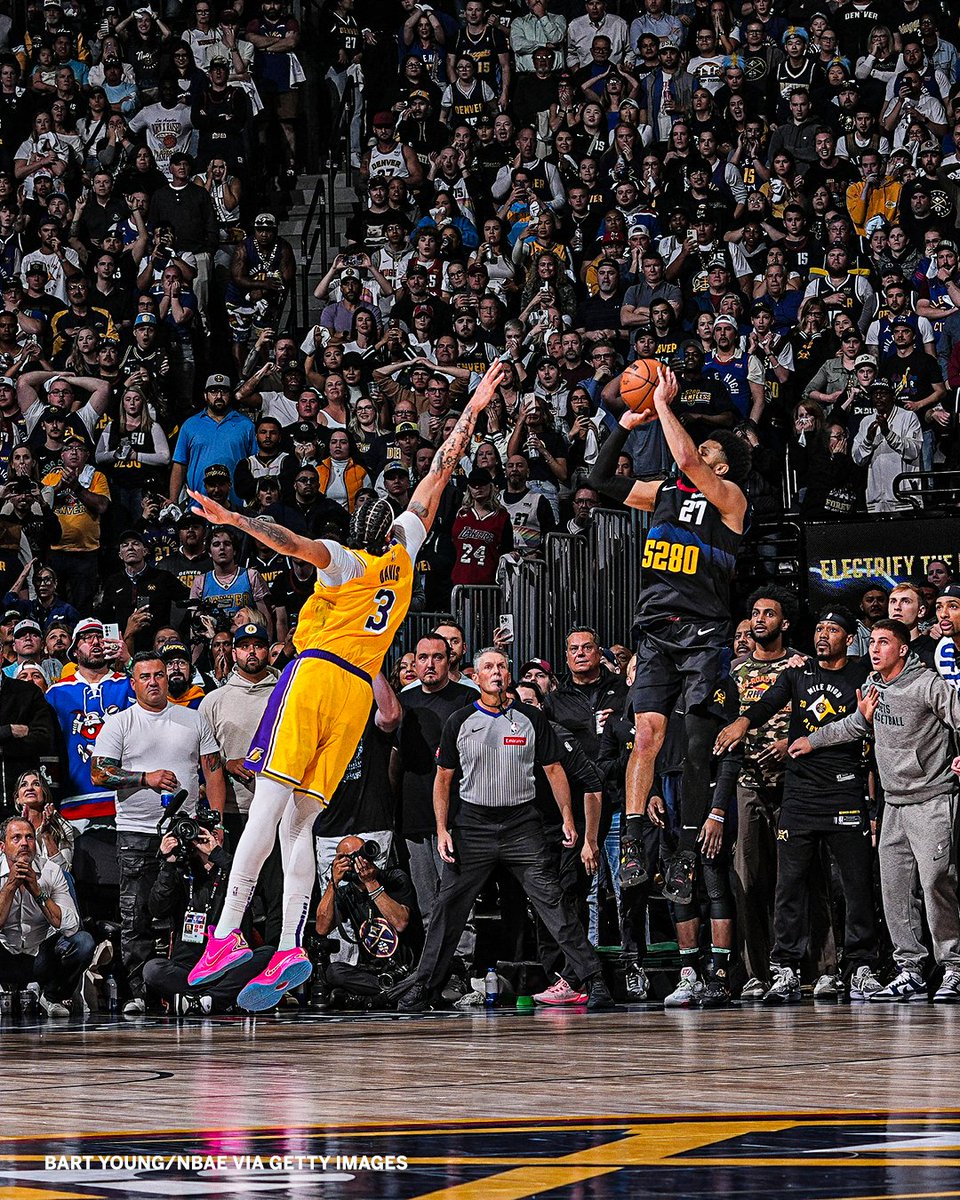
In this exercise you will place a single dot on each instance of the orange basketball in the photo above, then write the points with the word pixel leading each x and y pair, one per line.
pixel 638 382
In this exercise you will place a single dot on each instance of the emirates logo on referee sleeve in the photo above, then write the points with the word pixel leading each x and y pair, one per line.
pixel 514 741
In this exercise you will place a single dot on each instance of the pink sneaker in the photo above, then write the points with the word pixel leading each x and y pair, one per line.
pixel 287 969
pixel 219 955
pixel 561 993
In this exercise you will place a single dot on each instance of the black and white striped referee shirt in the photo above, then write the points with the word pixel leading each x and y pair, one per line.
pixel 495 752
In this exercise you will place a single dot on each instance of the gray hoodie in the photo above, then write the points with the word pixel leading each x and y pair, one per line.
pixel 234 713
pixel 914 731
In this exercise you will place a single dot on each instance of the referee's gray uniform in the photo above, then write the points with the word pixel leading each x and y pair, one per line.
pixel 497 823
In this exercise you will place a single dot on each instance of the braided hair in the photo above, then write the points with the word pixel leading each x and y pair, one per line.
pixel 370 526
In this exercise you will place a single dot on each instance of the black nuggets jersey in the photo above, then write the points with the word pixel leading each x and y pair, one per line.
pixel 689 557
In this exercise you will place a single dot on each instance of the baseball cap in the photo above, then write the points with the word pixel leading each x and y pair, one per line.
pixel 717 260
pixel 303 431
pixel 350 273
pixel 219 61
pixel 131 535
pixel 384 118
pixel 190 517
pixel 541 664
pixel 6 381
pixel 251 631
pixel 479 477
pixel 405 427
pixel 217 380
pixel 28 625
pixel 35 268
pixel 265 220
pixel 85 625
pixel 11 616
pixel 609 238
pixel 724 319
pixel 73 435
pixel 900 319
pixel 952 590
pixel 419 94
pixel 864 360
pixel 174 650
pixel 216 471
pixel 144 319
pixel 881 385
pixel 396 468
pixel 423 310
pixel 703 213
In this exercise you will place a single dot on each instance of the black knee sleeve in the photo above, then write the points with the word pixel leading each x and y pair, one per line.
pixel 716 881
pixel 687 912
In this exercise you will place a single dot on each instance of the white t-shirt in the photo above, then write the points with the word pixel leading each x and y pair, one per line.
pixel 141 740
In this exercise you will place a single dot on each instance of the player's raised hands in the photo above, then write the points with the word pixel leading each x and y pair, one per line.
pixel 492 379
pixel 666 388
pixel 215 513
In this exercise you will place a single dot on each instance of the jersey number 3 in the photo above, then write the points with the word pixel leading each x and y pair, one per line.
pixel 384 601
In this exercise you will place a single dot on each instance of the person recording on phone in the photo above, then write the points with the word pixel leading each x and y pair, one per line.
pixel 366 906
pixel 140 597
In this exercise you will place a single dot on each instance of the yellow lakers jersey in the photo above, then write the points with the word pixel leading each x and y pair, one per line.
pixel 359 619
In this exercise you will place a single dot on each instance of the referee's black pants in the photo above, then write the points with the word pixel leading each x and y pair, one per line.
pixel 485 838
pixel 797 852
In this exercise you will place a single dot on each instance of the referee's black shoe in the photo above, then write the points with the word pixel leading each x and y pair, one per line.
pixel 678 876
pixel 598 995
pixel 633 864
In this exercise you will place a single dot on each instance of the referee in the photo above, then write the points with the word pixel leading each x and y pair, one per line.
pixel 493 747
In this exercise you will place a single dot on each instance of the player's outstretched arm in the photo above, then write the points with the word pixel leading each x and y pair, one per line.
pixel 726 496
pixel 426 496
pixel 633 493
pixel 278 537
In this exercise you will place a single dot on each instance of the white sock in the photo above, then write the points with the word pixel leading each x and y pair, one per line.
pixel 270 798
pixel 297 847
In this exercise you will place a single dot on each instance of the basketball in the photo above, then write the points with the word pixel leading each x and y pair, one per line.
pixel 638 382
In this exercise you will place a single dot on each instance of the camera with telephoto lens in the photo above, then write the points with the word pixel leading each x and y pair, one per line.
pixel 370 851
pixel 184 827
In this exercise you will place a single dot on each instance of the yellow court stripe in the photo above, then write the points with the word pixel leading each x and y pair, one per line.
pixel 23 1193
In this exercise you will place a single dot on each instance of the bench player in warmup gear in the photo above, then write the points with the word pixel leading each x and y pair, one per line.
pixel 319 707
pixel 683 615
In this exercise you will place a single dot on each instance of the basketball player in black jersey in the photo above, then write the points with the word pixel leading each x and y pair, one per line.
pixel 683 620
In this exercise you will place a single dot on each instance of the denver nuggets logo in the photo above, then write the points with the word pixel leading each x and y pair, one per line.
pixel 379 938
pixel 256 753
pixel 783 835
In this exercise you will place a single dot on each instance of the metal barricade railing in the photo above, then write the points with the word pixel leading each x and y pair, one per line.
pixel 928 489
pixel 478 608
pixel 313 233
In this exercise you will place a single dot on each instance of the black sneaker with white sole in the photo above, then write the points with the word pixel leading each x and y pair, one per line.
pixel 633 864
pixel 678 876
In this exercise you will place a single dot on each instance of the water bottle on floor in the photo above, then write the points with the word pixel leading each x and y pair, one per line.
pixel 491 988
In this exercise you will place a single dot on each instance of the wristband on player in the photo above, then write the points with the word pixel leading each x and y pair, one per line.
pixel 716 817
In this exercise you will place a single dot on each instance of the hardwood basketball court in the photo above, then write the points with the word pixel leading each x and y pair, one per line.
pixel 817 1101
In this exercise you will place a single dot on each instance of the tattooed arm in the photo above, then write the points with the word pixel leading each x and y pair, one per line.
pixel 426 497
pixel 215 779
pixel 277 537
pixel 108 773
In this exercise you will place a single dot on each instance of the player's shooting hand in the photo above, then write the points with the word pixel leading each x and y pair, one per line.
pixel 666 388
pixel 657 811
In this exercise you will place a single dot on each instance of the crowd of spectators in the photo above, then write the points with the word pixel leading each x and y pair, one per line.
pixel 762 196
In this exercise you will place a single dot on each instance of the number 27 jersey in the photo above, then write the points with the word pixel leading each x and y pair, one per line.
pixel 689 557
pixel 357 619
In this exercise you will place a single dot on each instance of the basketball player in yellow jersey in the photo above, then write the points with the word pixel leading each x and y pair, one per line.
pixel 319 707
